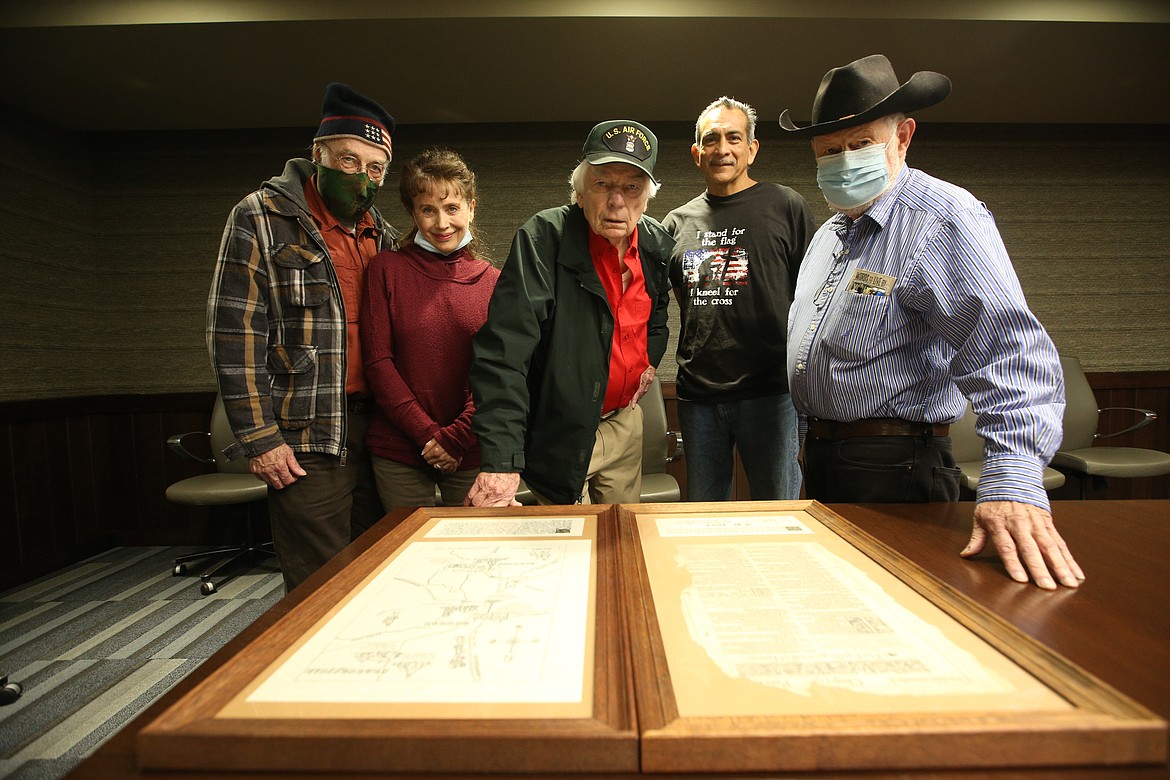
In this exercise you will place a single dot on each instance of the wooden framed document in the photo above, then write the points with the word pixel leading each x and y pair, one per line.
pixel 777 636
pixel 462 641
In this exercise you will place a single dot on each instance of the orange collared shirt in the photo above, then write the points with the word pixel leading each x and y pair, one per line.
pixel 625 287
pixel 351 254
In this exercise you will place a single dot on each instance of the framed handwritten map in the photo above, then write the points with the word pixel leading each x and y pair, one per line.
pixel 458 642
pixel 777 636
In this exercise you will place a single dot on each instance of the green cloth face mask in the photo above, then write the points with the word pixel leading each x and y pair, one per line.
pixel 347 195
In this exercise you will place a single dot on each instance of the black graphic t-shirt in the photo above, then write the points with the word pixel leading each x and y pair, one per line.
pixel 734 272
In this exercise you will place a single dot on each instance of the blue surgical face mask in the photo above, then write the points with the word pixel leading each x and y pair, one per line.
pixel 427 245
pixel 853 178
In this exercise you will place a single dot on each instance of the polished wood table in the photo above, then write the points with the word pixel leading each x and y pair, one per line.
pixel 1115 626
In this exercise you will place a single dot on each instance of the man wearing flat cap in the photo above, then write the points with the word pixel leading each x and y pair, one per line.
pixel 907 302
pixel 575 329
pixel 282 331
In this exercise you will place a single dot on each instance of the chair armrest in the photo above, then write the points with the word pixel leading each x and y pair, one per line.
pixel 1147 417
pixel 677 451
pixel 175 443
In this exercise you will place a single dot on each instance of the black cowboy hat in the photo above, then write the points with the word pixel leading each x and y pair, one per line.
pixel 865 90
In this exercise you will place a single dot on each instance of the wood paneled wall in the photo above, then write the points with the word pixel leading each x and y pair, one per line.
pixel 80 475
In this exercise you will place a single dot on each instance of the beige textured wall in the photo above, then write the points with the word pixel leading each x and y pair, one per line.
pixel 108 241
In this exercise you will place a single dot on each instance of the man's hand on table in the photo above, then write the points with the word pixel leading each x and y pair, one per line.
pixel 494 489
pixel 1026 540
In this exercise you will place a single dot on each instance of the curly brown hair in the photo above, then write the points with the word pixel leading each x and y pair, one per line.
pixel 436 170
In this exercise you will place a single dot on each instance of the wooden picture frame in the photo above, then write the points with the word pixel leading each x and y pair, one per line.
pixel 704 719
pixel 220 724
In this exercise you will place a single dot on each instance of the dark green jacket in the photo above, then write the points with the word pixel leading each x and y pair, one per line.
pixel 541 362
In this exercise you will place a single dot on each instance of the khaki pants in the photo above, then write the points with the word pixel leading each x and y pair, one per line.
pixel 400 484
pixel 615 467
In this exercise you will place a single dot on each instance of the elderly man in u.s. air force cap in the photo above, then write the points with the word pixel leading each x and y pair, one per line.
pixel 907 302
pixel 575 330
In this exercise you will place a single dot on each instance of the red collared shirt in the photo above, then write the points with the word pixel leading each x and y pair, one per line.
pixel 625 287
pixel 351 254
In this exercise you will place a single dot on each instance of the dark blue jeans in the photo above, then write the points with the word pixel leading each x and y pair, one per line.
pixel 764 430
pixel 880 469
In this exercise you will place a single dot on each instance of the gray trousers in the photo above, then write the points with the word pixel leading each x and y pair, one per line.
pixel 314 518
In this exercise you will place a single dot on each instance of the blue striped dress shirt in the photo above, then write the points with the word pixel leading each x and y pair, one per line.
pixel 954 324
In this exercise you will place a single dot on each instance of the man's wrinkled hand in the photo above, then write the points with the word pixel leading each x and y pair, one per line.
pixel 278 467
pixel 644 383
pixel 1026 540
pixel 494 489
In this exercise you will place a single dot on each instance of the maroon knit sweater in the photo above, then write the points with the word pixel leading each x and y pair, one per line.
pixel 419 313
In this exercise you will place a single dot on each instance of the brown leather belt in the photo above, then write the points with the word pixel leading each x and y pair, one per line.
pixel 874 426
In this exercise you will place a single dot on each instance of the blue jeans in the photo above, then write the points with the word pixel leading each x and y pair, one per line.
pixel 764 430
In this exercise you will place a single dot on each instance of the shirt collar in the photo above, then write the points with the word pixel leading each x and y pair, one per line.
pixel 879 212
pixel 600 247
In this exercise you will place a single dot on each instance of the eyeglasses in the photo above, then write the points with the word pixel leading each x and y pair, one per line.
pixel 351 164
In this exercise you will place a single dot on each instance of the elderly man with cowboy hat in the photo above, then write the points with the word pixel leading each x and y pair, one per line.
pixel 907 302
pixel 282 328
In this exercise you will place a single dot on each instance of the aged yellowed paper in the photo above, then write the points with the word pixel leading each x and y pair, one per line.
pixel 452 621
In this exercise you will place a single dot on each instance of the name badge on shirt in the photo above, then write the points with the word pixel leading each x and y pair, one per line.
pixel 870 283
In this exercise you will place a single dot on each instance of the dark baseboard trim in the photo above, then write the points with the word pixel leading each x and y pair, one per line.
pixel 1101 380
pixel 79 406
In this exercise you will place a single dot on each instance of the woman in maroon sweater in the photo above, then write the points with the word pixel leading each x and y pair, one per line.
pixel 423 303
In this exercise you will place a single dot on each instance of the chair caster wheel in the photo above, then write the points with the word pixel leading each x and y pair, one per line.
pixel 9 691
pixel 179 570
pixel 207 588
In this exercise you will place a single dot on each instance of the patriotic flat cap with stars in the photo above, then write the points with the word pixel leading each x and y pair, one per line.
pixel 346 114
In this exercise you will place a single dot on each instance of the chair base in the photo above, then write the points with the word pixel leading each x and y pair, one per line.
pixel 9 691
pixel 229 558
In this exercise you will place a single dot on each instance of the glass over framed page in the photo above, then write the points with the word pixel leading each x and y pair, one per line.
pixel 457 632
pixel 780 637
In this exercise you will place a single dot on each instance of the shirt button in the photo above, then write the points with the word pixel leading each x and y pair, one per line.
pixel 800 366
pixel 812 327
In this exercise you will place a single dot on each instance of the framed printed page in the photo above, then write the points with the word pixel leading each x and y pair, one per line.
pixel 462 641
pixel 777 636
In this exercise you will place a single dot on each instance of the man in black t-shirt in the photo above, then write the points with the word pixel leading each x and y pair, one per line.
pixel 733 269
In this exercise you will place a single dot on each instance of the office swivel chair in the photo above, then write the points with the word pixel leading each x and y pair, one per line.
pixel 231 484
pixel 660 447
pixel 967 446
pixel 1078 456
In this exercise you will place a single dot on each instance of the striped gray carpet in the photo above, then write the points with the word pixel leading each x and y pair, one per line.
pixel 96 643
